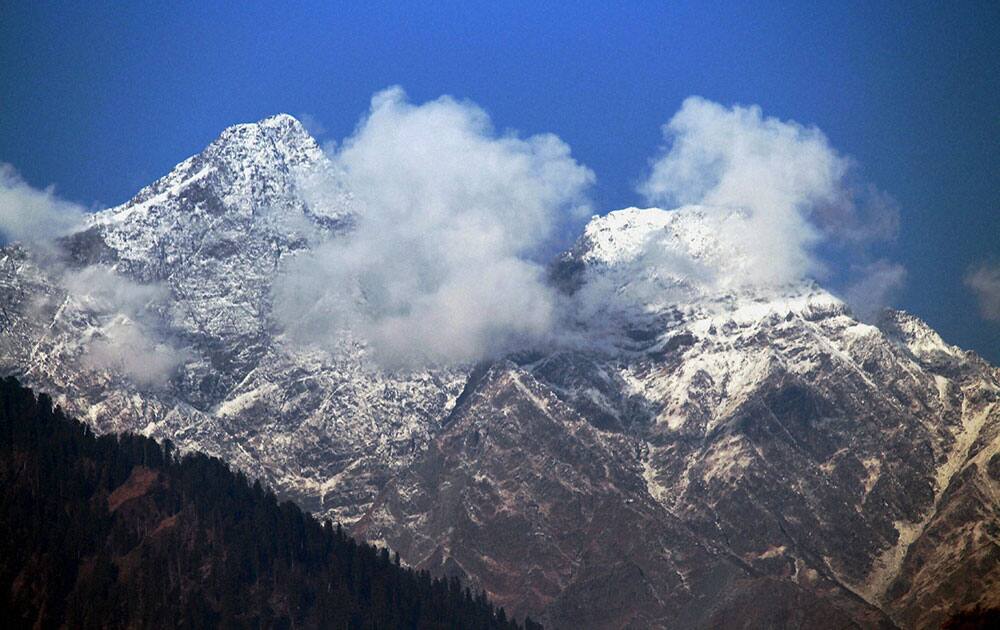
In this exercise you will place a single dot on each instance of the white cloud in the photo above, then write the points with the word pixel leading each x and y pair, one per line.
pixel 125 346
pixel 105 291
pixel 874 287
pixel 775 170
pixel 797 193
pixel 127 338
pixel 31 215
pixel 449 214
pixel 984 281
pixel 312 124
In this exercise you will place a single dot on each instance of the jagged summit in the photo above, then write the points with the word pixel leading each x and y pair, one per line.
pixel 692 247
pixel 670 271
pixel 280 120
pixel 248 168
pixel 213 233
pixel 282 129
pixel 246 185
pixel 283 132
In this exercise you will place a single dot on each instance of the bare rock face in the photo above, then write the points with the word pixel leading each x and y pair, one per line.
pixel 568 528
pixel 697 453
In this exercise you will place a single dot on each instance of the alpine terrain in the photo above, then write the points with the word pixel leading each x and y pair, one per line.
pixel 692 454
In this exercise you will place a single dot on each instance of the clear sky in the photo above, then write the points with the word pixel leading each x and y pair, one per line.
pixel 100 98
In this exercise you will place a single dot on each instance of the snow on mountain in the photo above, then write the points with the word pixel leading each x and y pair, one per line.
pixel 792 438
pixel 695 451
pixel 213 235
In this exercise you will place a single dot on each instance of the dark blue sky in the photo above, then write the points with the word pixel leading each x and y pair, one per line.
pixel 102 99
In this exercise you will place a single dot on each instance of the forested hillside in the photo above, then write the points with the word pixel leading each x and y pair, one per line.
pixel 120 531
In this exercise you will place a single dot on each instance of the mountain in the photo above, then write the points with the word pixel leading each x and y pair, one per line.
pixel 858 462
pixel 210 238
pixel 696 452
pixel 119 532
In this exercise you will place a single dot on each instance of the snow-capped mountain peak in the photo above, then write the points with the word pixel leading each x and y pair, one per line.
pixel 644 269
pixel 623 236
pixel 282 133
pixel 698 249
pixel 248 169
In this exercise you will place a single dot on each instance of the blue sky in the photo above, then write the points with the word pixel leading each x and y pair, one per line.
pixel 101 99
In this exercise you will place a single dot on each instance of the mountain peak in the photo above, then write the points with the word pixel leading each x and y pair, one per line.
pixel 628 235
pixel 280 136
pixel 248 168
pixel 654 260
pixel 278 126
pixel 279 120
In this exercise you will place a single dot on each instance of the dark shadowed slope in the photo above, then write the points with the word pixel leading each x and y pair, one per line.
pixel 116 531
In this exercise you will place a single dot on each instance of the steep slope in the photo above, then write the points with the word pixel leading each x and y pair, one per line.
pixel 523 496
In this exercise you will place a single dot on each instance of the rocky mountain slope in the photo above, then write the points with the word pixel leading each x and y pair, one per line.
pixel 852 460
pixel 694 453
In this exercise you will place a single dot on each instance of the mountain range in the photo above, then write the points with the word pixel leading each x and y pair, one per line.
pixel 691 453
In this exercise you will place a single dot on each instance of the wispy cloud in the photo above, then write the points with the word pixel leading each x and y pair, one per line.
pixel 33 215
pixel 984 280
pixel 126 338
pixel 129 336
pixel 312 124
pixel 874 286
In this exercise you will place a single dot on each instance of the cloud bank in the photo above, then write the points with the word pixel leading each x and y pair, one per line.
pixel 984 281
pixel 30 215
pixel 799 197
pixel 449 215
